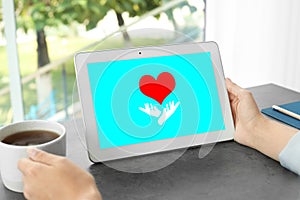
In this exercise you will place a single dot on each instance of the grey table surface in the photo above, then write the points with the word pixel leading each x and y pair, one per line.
pixel 229 171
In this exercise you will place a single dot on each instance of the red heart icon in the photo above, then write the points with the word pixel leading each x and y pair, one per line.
pixel 157 89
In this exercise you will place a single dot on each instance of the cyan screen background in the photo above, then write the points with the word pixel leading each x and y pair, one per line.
pixel 116 99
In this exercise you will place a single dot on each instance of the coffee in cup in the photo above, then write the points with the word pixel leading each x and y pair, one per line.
pixel 29 138
pixel 16 138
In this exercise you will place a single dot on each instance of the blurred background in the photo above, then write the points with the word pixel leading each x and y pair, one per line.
pixel 258 40
pixel 49 32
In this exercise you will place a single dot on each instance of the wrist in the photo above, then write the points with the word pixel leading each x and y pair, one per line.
pixel 270 137
pixel 260 129
pixel 95 195
pixel 91 193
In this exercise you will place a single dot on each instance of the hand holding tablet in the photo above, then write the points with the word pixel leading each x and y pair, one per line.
pixel 166 98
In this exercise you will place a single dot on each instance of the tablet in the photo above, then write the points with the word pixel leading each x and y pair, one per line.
pixel 145 100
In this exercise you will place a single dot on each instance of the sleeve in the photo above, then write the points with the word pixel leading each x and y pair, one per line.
pixel 289 157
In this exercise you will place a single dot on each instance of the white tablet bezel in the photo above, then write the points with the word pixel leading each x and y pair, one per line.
pixel 99 155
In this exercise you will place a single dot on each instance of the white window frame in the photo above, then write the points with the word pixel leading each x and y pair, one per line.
pixel 13 60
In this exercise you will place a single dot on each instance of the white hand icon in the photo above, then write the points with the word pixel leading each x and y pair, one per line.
pixel 167 112
pixel 150 110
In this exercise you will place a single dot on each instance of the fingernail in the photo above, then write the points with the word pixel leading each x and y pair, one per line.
pixel 32 152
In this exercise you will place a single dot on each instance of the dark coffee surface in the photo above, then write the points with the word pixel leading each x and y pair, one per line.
pixel 27 138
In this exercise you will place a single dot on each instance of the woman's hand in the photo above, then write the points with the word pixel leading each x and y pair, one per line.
pixel 252 128
pixel 246 114
pixel 47 176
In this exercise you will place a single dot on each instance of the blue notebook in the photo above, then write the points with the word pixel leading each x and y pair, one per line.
pixel 294 107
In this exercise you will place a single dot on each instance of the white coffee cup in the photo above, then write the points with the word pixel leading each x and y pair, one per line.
pixel 11 154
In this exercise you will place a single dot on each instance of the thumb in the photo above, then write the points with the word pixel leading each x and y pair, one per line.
pixel 42 156
pixel 155 108
pixel 233 88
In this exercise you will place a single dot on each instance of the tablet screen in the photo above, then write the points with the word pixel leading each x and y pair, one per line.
pixel 148 99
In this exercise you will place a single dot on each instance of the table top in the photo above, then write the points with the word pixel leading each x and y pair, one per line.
pixel 229 171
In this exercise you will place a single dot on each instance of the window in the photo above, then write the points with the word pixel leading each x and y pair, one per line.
pixel 47 40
